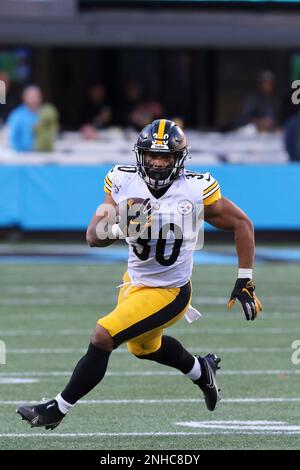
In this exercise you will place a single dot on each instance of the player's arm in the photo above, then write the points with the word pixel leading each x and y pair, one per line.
pixel 98 233
pixel 224 214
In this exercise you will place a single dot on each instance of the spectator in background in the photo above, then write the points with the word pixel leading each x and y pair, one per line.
pixel 46 128
pixel 263 121
pixel 10 98
pixel 262 103
pixel 132 97
pixel 145 113
pixel 23 119
pixel 96 111
pixel 136 111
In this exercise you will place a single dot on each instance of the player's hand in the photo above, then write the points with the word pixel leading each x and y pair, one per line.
pixel 244 292
pixel 138 219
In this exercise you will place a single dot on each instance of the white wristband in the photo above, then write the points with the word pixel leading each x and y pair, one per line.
pixel 116 231
pixel 245 273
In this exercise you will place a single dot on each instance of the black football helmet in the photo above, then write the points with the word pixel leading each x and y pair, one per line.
pixel 161 136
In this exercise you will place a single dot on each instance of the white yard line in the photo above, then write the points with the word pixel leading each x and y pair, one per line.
pixel 146 434
pixel 16 380
pixel 271 300
pixel 45 332
pixel 192 330
pixel 149 373
pixel 233 316
pixel 241 426
pixel 143 401
pixel 86 297
pixel 125 351
pixel 53 350
pixel 85 290
pixel 243 330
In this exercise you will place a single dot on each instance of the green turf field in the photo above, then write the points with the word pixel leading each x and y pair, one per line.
pixel 47 313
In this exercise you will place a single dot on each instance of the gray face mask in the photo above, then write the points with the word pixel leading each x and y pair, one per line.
pixel 158 174
pixel 157 177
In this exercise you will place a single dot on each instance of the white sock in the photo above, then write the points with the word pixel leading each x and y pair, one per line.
pixel 63 405
pixel 195 372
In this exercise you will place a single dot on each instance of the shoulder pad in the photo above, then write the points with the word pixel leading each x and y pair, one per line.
pixel 190 175
pixel 116 175
pixel 126 168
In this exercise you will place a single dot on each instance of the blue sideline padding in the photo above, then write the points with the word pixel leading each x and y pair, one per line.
pixel 64 197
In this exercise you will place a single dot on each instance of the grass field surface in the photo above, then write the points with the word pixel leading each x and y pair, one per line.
pixel 47 313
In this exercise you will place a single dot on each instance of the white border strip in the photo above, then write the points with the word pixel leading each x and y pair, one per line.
pixel 142 401
pixel 145 434
pixel 125 351
pixel 149 373
pixel 191 331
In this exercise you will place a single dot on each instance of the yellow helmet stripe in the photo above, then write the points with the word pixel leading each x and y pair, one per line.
pixel 161 129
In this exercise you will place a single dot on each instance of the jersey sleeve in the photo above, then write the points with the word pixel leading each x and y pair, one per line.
pixel 211 190
pixel 109 181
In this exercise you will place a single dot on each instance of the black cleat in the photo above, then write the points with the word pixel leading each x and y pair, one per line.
pixel 42 414
pixel 207 382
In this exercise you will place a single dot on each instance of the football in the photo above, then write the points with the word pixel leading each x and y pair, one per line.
pixel 132 210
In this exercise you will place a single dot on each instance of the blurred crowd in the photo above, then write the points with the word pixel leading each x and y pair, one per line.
pixel 33 123
pixel 136 110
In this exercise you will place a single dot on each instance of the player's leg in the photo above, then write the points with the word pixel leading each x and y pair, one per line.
pixel 88 373
pixel 135 313
pixel 144 309
pixel 168 351
pixel 164 350
pixel 125 321
pixel 91 368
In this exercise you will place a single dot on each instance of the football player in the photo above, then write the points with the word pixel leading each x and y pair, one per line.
pixel 156 290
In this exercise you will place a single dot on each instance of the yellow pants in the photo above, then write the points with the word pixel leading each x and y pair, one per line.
pixel 142 313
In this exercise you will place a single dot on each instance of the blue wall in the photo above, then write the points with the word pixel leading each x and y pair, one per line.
pixel 53 197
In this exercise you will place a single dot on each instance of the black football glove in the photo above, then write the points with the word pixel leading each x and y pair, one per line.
pixel 244 292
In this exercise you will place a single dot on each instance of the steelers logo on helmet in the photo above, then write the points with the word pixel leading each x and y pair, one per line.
pixel 160 139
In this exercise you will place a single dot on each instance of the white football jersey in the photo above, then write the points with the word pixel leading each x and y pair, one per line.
pixel 166 259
